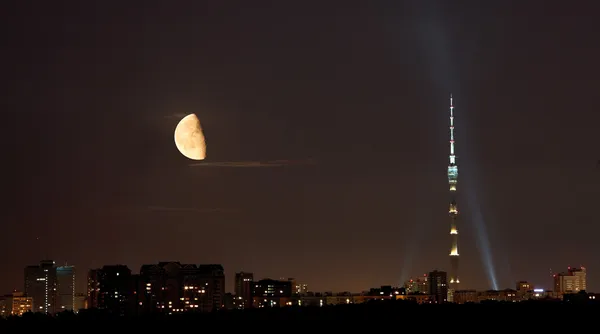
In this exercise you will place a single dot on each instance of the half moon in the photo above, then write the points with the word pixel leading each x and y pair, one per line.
pixel 189 138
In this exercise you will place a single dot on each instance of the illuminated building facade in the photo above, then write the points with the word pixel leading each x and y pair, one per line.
pixel 173 287
pixel 272 293
pixel 453 210
pixel 301 288
pixel 418 285
pixel 297 288
pixel 40 284
pixel 472 296
pixel 573 281
pixel 21 303
pixel 524 289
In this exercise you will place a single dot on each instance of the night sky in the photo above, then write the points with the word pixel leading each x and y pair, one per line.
pixel 93 90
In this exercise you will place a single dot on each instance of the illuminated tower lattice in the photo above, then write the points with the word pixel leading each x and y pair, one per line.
pixel 453 210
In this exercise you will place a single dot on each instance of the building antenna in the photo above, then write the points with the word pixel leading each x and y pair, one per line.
pixel 40 247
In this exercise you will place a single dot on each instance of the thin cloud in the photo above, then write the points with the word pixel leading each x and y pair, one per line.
pixel 181 209
pixel 255 164
pixel 176 115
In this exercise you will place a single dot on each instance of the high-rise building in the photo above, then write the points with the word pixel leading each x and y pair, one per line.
pixel 573 281
pixel 114 288
pixel 93 288
pixel 40 284
pixel 297 288
pixel 453 209
pixel 438 286
pixel 175 287
pixel 243 289
pixel 271 293
pixel 65 285
pixel 213 276
pixel 419 285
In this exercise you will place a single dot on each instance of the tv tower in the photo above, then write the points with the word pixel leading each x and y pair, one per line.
pixel 453 210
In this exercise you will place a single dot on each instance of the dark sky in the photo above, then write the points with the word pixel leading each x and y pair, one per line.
pixel 92 92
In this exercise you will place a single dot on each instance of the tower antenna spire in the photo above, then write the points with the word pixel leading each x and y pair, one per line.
pixel 453 209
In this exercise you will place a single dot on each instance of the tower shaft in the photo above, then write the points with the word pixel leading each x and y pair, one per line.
pixel 453 209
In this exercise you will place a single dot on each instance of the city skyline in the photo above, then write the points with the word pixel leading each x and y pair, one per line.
pixel 175 287
pixel 79 284
pixel 93 95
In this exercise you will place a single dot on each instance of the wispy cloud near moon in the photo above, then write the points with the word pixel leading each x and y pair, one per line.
pixel 176 116
pixel 255 164
pixel 182 209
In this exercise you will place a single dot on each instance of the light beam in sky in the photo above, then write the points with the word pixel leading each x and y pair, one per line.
pixel 483 242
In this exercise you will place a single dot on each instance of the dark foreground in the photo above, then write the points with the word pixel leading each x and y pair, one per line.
pixel 368 316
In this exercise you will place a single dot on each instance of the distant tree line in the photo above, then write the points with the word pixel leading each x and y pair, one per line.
pixel 367 313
